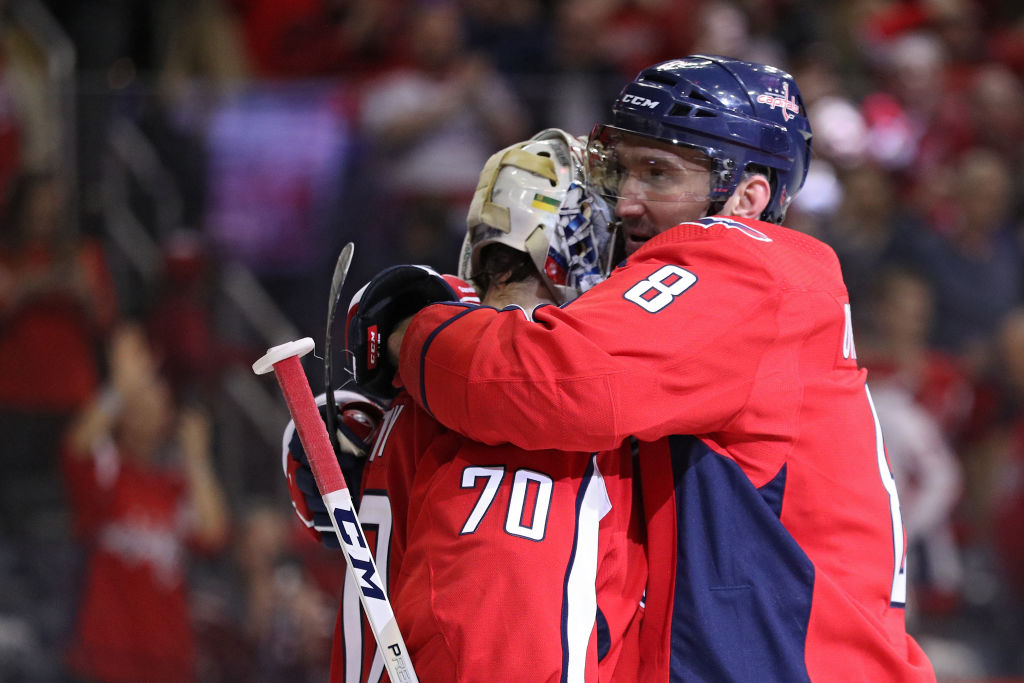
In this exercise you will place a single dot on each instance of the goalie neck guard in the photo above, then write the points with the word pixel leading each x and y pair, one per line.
pixel 532 197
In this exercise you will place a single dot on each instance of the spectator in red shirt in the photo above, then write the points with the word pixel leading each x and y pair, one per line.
pixel 57 302
pixel 144 493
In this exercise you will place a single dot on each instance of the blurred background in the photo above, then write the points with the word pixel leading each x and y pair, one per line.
pixel 178 176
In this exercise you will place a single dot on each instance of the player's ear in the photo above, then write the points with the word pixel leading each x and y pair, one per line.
pixel 750 198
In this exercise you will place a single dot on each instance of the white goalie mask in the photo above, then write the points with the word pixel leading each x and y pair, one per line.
pixel 532 197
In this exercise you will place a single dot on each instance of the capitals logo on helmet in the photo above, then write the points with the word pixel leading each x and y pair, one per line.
pixel 741 115
pixel 788 105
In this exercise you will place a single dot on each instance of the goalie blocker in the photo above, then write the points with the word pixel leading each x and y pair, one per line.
pixel 358 419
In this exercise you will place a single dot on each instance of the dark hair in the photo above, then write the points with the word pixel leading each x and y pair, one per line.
pixel 502 263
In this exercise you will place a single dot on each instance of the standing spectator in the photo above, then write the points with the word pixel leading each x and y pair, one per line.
pixel 30 126
pixel 993 504
pixel 512 33
pixel 580 81
pixel 730 28
pixel 635 33
pixel 289 616
pixel 997 111
pixel 180 319
pixel 897 347
pixel 142 487
pixel 928 474
pixel 1006 485
pixel 971 256
pixel 867 230
pixel 305 38
pixel 10 135
pixel 997 121
pixel 57 303
pixel 433 123
pixel 914 120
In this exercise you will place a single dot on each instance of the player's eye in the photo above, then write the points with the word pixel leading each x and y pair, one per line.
pixel 660 174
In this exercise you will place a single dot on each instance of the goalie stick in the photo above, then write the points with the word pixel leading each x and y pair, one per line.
pixel 283 360
pixel 337 280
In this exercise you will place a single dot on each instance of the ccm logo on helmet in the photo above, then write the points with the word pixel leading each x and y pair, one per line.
pixel 639 101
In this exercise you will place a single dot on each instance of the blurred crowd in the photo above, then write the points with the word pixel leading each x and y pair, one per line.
pixel 141 531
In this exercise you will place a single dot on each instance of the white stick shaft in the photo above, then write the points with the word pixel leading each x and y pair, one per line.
pixel 372 594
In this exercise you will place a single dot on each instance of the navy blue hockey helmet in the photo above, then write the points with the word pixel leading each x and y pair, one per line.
pixel 741 115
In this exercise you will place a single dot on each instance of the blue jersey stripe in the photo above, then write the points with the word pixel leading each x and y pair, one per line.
pixel 743 586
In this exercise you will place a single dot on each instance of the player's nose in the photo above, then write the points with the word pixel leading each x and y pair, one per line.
pixel 629 206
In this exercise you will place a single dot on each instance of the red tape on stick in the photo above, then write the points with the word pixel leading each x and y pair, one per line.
pixel 284 361
pixel 309 425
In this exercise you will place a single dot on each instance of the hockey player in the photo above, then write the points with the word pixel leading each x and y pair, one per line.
pixel 723 343
pixel 502 564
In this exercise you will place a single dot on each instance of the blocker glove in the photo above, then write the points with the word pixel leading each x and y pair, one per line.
pixel 358 420
pixel 391 296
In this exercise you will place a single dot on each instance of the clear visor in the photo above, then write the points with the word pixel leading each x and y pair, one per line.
pixel 623 165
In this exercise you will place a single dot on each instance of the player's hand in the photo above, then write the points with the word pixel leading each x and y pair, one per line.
pixel 394 294
pixel 195 436
pixel 358 419
pixel 133 365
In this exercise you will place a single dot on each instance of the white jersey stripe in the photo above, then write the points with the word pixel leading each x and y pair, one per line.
pixel 581 584
pixel 390 418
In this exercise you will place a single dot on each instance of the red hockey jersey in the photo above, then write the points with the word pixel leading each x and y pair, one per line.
pixel 133 621
pixel 501 564
pixel 775 543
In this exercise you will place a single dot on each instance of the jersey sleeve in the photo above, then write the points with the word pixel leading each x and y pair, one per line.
pixel 667 344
